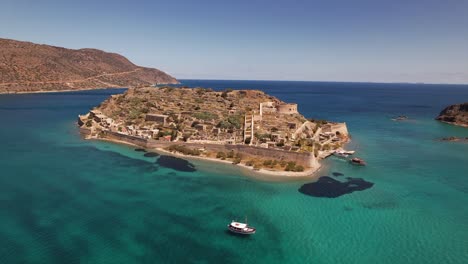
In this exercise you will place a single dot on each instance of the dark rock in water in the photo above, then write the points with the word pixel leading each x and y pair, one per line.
pixel 151 154
pixel 465 139
pixel 140 150
pixel 337 174
pixel 455 114
pixel 175 163
pixel 328 187
pixel 400 118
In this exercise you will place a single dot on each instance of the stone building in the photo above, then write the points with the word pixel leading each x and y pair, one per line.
pixel 161 119
pixel 287 108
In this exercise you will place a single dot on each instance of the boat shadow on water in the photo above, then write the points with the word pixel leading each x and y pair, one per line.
pixel 240 236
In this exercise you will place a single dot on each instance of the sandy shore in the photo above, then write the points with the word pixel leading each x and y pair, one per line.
pixel 306 173
pixel 246 170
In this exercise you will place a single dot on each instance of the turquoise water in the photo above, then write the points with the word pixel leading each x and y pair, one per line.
pixel 65 200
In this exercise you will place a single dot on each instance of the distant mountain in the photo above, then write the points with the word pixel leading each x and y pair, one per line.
pixel 29 67
pixel 455 114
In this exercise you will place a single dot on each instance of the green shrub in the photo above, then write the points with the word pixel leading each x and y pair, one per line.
pixel 299 168
pixel 205 116
pixel 221 155
pixel 230 154
pixel 250 163
pixel 267 162
pixel 184 150
pixel 224 94
pixel 290 166
pixel 237 160
pixel 234 121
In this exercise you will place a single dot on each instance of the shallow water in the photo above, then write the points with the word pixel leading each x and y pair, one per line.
pixel 65 200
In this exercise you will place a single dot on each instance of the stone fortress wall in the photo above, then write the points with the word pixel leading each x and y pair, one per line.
pixel 306 159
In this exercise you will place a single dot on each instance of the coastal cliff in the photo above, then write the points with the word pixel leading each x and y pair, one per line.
pixel 29 67
pixel 456 114
pixel 246 127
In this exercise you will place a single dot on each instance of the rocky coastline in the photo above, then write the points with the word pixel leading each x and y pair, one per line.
pixel 456 114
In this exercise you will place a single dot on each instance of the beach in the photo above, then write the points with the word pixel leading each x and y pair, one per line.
pixel 308 173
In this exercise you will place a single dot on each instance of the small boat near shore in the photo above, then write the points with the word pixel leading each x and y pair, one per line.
pixel 343 153
pixel 357 161
pixel 340 154
pixel 241 228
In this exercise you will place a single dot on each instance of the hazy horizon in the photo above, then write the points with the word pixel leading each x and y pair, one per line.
pixel 362 41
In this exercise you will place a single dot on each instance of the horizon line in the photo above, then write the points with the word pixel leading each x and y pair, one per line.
pixel 266 80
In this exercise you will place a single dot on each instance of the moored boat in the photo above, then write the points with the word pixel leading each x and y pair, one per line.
pixel 357 161
pixel 343 151
pixel 340 154
pixel 241 228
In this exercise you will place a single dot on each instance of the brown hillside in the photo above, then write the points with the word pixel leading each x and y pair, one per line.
pixel 29 67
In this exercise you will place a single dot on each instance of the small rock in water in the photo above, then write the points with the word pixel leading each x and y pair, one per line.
pixel 140 150
pixel 454 139
pixel 151 154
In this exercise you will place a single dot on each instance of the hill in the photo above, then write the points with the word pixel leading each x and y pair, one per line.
pixel 29 67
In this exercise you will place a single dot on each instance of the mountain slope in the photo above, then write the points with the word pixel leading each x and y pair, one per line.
pixel 29 67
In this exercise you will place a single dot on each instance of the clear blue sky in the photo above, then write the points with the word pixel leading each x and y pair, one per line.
pixel 329 40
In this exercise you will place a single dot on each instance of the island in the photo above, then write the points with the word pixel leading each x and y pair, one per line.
pixel 245 127
pixel 27 67
pixel 456 114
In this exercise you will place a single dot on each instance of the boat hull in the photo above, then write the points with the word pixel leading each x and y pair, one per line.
pixel 249 231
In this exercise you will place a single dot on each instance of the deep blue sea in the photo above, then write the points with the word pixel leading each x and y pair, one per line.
pixel 66 200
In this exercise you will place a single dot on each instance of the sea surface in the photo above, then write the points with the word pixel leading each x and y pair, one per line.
pixel 67 200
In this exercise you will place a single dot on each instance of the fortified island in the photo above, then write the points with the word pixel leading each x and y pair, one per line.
pixel 245 127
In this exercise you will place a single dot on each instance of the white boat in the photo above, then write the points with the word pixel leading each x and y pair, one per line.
pixel 241 228
pixel 340 154
pixel 348 152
